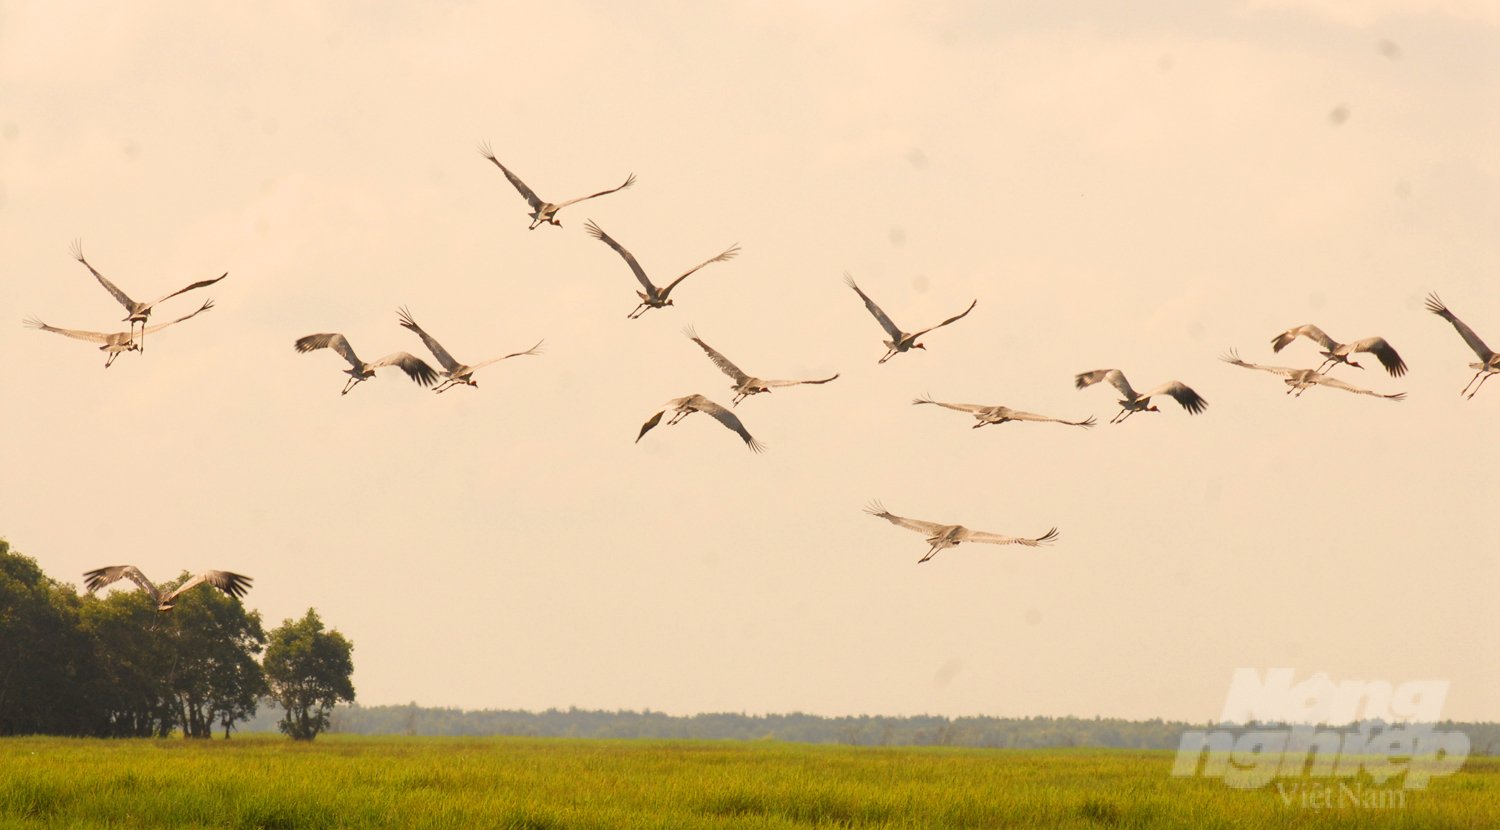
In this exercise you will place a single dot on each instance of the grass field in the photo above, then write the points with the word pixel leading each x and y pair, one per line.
pixel 342 781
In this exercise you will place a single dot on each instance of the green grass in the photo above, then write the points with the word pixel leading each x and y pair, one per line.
pixel 345 781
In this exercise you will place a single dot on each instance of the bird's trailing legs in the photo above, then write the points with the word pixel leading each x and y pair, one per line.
pixel 350 385
pixel 1486 376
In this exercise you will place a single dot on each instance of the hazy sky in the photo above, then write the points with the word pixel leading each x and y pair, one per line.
pixel 1118 189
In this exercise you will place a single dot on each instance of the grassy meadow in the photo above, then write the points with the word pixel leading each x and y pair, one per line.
pixel 346 781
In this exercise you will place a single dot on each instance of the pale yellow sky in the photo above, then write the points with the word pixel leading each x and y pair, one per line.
pixel 1118 189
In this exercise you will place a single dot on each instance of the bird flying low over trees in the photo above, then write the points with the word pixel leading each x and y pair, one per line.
pixel 114 343
pixel 900 341
pixel 1134 402
pixel 542 211
pixel 744 385
pixel 232 584
pixel 686 406
pixel 1335 352
pixel 359 371
pixel 941 536
pixel 1299 379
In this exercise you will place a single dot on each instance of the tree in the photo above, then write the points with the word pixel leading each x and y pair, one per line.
pixel 308 670
pixel 46 663
pixel 214 676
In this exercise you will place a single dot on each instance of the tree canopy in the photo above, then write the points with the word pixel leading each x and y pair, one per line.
pixel 308 669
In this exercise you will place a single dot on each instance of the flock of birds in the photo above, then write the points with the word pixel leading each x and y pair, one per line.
pixel 653 296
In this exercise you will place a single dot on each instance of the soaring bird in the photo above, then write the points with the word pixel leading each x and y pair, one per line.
pixel 136 312
pixel 1489 361
pixel 900 341
pixel 697 403
pixel 232 584
pixel 1297 380
pixel 114 343
pixel 744 385
pixel 941 536
pixel 652 297
pixel 999 414
pixel 1335 352
pixel 544 211
pixel 455 373
pixel 1136 402
pixel 359 371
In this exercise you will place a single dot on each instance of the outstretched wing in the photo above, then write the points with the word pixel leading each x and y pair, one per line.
pixel 728 419
pixel 207 304
pixel 1435 305
pixel 1233 357
pixel 121 296
pixel 330 340
pixel 880 316
pixel 100 577
pixel 599 234
pixel 1018 415
pixel 650 422
pixel 198 284
pixel 1324 380
pixel 76 334
pixel 729 253
pixel 1310 331
pixel 971 408
pixel 776 384
pixel 628 182
pixel 719 360
pixel 1115 377
pixel 1383 352
pixel 953 319
pixel 534 350
pixel 432 345
pixel 875 508
pixel 528 193
pixel 415 367
pixel 998 539
pixel 232 584
pixel 1183 394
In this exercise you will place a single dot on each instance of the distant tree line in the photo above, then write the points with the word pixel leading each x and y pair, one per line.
pixel 117 667
pixel 860 730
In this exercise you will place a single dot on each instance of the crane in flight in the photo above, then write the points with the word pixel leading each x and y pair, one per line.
pixel 1489 361
pixel 744 385
pixel 136 312
pixel 941 536
pixel 1298 380
pixel 113 343
pixel 543 211
pixel 230 583
pixel 1335 352
pixel 900 341
pixel 653 296
pixel 455 373
pixel 359 371
pixel 686 406
pixel 1134 402
pixel 987 415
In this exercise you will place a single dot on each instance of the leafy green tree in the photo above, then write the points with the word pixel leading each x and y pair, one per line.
pixel 308 670
pixel 214 677
pixel 45 661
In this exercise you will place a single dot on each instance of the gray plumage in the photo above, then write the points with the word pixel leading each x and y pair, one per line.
pixel 1335 352
pixel 744 385
pixel 1298 380
pixel 685 406
pixel 544 211
pixel 653 296
pixel 900 341
pixel 941 536
pixel 230 583
pixel 113 343
pixel 455 373
pixel 1489 361
pixel 1134 402
pixel 987 415
pixel 359 371
pixel 136 312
